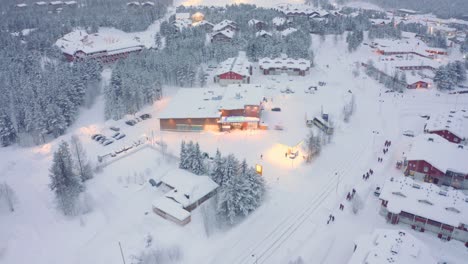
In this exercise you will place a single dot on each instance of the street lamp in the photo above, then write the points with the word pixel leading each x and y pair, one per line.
pixel 375 132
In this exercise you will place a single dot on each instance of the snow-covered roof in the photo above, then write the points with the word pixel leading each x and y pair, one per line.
pixel 263 33
pixel 171 208
pixel 21 5
pixel 106 40
pixel 281 62
pixel 70 2
pixel 253 22
pixel 238 96
pixel 182 23
pixel 223 24
pixel 40 3
pixel 188 187
pixel 226 32
pixel 148 3
pixel 239 65
pixel 182 16
pixel 194 103
pixel 385 246
pixel 296 9
pixel 133 3
pixel 279 21
pixel 408 43
pixel 454 121
pixel 409 11
pixel 426 200
pixel 207 102
pixel 201 23
pixel 288 31
pixel 56 3
pixel 439 152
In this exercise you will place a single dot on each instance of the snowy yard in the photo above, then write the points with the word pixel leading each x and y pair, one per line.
pixel 291 223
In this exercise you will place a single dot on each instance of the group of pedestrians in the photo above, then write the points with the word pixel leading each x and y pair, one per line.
pixel 331 218
pixel 387 144
pixel 366 175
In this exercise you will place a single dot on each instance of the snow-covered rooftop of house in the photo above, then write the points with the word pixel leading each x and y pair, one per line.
pixel 226 32
pixel 182 23
pixel 408 43
pixel 182 16
pixel 426 200
pixel 21 5
pixel 253 22
pixel 263 33
pixel 385 246
pixel 439 152
pixel 149 3
pixel 133 3
pixel 70 2
pixel 279 21
pixel 238 96
pixel 266 63
pixel 171 208
pixel 107 39
pixel 201 23
pixel 289 9
pixel 56 3
pixel 223 24
pixel 453 121
pixel 288 31
pixel 239 64
pixel 40 3
pixel 188 187
pixel 194 103
pixel 207 102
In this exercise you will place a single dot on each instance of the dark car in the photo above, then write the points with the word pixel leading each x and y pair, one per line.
pixel 276 109
pixel 113 128
pixel 116 135
pixel 102 139
pixel 122 135
pixel 95 136
pixel 145 116
pixel 130 122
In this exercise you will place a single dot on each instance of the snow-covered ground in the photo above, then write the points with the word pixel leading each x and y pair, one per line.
pixel 266 3
pixel 292 221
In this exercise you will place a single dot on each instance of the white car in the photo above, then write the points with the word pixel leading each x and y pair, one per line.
pixel 408 133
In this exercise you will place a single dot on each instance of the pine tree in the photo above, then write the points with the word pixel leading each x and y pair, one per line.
pixel 7 131
pixel 81 164
pixel 218 172
pixel 197 166
pixel 183 164
pixel 64 182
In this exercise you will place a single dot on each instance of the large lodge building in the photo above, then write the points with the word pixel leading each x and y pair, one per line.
pixel 426 207
pixel 106 46
pixel 284 65
pixel 214 109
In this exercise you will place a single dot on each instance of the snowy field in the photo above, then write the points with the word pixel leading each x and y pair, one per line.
pixel 266 3
pixel 292 221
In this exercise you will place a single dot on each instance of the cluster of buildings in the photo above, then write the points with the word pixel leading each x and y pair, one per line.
pixel 283 64
pixel 432 195
pixel 219 109
pixel 56 6
pixel 186 191
pixel 301 10
pixel 106 45
pixel 409 56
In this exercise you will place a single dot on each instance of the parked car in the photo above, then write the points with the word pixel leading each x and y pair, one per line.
pixel 408 133
pixel 377 191
pixel 145 116
pixel 130 122
pixel 116 135
pixel 96 136
pixel 279 127
pixel 122 135
pixel 276 109
pixel 322 83
pixel 113 128
pixel 108 142
pixel 102 139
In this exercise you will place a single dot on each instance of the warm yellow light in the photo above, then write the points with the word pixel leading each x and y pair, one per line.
pixel 259 169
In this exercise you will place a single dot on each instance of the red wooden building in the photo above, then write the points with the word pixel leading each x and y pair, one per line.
pixel 435 160
pixel 453 125
pixel 236 70
pixel 418 84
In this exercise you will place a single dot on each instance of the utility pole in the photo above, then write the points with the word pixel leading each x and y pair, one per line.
pixel 121 252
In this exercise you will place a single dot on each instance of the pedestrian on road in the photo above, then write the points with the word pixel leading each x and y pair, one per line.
pixel 348 197
pixel 341 207
pixel 371 171
pixel 367 175
pixel 333 218
pixel 364 176
pixel 261 156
